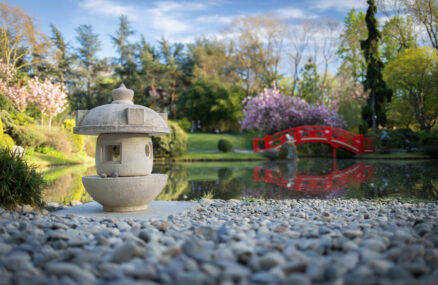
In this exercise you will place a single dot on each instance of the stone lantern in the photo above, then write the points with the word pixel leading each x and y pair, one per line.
pixel 124 152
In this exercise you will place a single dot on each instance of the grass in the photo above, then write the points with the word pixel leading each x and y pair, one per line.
pixel 206 142
pixel 54 157
pixel 203 147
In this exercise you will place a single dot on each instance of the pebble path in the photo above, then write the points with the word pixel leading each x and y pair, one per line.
pixel 228 242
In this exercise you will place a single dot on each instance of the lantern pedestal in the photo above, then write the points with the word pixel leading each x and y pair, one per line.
pixel 124 194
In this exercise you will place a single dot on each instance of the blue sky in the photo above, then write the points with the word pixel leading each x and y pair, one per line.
pixel 177 21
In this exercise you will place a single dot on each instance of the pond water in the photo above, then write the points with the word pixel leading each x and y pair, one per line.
pixel 307 178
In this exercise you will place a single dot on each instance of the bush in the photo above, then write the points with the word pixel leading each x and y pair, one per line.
pixel 184 124
pixel 59 141
pixel 23 136
pixel 20 183
pixel 6 104
pixel 6 141
pixel 22 119
pixel 173 144
pixel 68 124
pixel 429 144
pixel 27 137
pixel 224 145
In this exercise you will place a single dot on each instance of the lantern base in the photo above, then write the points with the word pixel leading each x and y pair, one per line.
pixel 124 194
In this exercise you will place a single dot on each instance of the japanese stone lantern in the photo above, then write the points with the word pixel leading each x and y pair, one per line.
pixel 124 152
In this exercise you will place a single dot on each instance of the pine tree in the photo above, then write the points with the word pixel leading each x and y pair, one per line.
pixel 373 113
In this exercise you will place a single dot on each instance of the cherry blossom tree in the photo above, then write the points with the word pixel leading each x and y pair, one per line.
pixel 15 91
pixel 271 111
pixel 50 98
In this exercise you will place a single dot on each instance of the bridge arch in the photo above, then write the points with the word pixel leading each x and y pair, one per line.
pixel 335 137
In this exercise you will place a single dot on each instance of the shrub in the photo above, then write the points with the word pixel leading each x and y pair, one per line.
pixel 6 141
pixel 90 145
pixel 59 141
pixel 6 104
pixel 224 145
pixel 20 183
pixel 68 124
pixel 184 124
pixel 26 136
pixel 22 119
pixel 172 145
pixel 77 140
pixel 23 136
pixel 429 144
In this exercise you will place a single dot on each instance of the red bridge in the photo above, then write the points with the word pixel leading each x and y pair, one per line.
pixel 357 144
pixel 336 180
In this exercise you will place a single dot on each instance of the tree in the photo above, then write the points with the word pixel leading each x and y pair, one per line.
pixel 353 60
pixel 258 49
pixel 63 59
pixel 272 111
pixel 414 77
pixel 21 44
pixel 14 88
pixel 374 113
pixel 425 12
pixel 89 67
pixel 120 40
pixel 50 98
pixel 309 88
pixel 398 34
pixel 215 104
pixel 213 60
pixel 300 37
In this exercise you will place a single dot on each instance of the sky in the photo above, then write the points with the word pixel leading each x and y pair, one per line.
pixel 175 20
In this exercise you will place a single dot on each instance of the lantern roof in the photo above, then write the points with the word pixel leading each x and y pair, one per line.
pixel 121 116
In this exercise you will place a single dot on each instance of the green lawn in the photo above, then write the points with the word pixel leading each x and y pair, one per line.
pixel 55 158
pixel 203 146
pixel 206 142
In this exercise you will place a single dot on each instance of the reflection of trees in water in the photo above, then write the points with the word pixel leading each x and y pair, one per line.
pixel 404 180
pixel 65 184
pixel 177 181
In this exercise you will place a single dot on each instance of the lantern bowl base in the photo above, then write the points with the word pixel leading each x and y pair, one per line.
pixel 124 194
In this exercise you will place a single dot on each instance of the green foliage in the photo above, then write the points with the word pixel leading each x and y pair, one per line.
pixel 309 88
pixel 398 34
pixel 27 137
pixel 216 104
pixel 429 144
pixel 184 124
pixel 19 184
pixel 413 74
pixel 380 94
pixel 6 104
pixel 173 144
pixel 6 141
pixel 22 119
pixel 69 124
pixel 1 128
pixel 224 145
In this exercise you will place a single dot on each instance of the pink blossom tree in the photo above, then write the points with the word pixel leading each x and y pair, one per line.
pixel 272 111
pixel 15 91
pixel 50 98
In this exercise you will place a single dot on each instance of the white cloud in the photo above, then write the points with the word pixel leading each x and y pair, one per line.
pixel 293 13
pixel 109 8
pixel 339 5
pixel 214 19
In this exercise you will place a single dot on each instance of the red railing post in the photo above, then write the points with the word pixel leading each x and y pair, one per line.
pixel 256 145
pixel 267 142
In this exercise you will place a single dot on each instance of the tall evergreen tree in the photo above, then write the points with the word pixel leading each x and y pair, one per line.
pixel 373 113
pixel 63 59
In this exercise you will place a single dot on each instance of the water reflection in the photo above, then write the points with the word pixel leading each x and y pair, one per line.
pixel 307 178
pixel 64 184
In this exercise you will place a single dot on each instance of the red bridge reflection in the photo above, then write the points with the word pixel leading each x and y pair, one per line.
pixel 334 181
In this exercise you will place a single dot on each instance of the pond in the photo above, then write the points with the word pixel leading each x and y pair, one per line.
pixel 307 178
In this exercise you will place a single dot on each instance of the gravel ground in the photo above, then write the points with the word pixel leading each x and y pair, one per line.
pixel 228 242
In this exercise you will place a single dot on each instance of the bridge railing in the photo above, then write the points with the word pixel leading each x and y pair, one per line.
pixel 310 134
